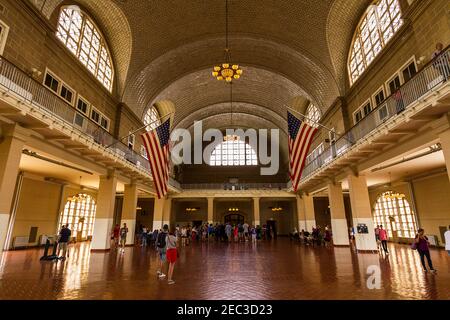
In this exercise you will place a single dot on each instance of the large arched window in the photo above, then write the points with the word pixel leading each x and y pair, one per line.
pixel 233 152
pixel 392 210
pixel 313 116
pixel 377 26
pixel 151 118
pixel 79 215
pixel 82 37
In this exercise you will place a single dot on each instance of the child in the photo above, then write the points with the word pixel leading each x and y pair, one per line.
pixel 253 233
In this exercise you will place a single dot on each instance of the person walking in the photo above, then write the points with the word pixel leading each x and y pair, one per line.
pixel 171 254
pixel 246 234
pixel 63 240
pixel 144 237
pixel 123 237
pixel 228 231
pixel 253 232
pixel 116 235
pixel 423 249
pixel 382 233
pixel 161 246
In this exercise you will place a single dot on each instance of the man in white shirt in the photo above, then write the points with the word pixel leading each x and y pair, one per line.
pixel 447 240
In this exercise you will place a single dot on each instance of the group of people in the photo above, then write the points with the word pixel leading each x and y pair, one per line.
pixel 318 236
pixel 227 232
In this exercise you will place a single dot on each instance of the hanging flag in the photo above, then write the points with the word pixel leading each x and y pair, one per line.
pixel 300 138
pixel 156 144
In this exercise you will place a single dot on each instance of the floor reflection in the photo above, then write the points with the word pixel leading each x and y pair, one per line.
pixel 268 270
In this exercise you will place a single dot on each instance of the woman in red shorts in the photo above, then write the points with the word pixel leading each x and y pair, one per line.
pixel 171 254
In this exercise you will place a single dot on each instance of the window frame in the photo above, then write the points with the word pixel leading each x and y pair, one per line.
pixel 3 36
pixel 243 151
pixel 101 115
pixel 148 112
pixel 377 92
pixel 88 105
pixel 103 43
pixel 399 74
pixel 69 88
pixel 357 37
pixel 361 109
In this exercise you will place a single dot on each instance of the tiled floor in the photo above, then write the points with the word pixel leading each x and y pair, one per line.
pixel 269 270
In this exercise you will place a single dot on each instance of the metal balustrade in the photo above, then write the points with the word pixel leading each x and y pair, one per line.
pixel 434 74
pixel 17 82
pixel 235 186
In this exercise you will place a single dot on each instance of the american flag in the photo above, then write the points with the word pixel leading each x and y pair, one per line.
pixel 156 144
pixel 300 139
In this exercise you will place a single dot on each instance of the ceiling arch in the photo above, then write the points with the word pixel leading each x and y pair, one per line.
pixel 317 81
pixel 342 20
pixel 258 87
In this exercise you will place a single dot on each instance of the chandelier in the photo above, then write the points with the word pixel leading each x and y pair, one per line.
pixel 192 209
pixel 393 195
pixel 227 71
pixel 79 197
pixel 277 209
pixel 233 209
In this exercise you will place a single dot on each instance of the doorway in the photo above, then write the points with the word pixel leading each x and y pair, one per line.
pixel 234 219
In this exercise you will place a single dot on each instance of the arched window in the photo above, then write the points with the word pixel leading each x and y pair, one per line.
pixel 377 26
pixel 392 210
pixel 82 37
pixel 151 119
pixel 233 152
pixel 313 116
pixel 79 215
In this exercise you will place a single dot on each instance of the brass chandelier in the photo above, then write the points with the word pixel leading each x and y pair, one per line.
pixel 227 71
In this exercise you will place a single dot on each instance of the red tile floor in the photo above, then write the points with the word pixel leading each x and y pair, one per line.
pixel 269 270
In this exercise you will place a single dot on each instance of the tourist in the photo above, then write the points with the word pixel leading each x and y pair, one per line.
pixel 63 240
pixel 171 254
pixel 116 235
pixel 241 231
pixel 328 236
pixel 228 231
pixel 442 63
pixel 246 226
pixel 144 237
pixel 123 237
pixel 258 232
pixel 423 249
pixel 253 233
pixel 236 234
pixel 383 238
pixel 161 247
pixel 447 240
pixel 377 234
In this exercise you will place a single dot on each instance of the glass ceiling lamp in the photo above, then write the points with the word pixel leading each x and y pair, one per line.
pixel 227 71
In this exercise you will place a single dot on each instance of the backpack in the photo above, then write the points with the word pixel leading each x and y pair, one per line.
pixel 161 243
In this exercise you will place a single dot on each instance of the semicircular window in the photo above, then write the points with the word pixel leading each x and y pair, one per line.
pixel 376 28
pixel 83 38
pixel 233 152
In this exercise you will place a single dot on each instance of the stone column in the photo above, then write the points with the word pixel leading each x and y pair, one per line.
pixel 444 138
pixel 158 220
pixel 338 219
pixel 129 205
pixel 104 216
pixel 301 213
pixel 11 145
pixel 210 210
pixel 167 211
pixel 256 212
pixel 310 216
pixel 361 212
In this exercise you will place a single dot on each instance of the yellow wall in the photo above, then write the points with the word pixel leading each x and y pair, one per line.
pixel 38 207
pixel 39 203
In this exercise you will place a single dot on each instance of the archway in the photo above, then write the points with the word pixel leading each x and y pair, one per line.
pixel 79 215
pixel 393 212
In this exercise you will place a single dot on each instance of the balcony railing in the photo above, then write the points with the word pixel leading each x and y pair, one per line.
pixel 431 76
pixel 235 186
pixel 22 85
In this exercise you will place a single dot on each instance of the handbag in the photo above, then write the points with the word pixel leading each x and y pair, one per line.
pixel 414 246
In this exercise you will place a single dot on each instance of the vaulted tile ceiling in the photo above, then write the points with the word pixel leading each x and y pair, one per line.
pixel 165 50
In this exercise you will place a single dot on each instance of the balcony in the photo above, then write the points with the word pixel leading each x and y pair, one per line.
pixel 390 114
pixel 235 186
pixel 35 106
